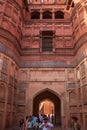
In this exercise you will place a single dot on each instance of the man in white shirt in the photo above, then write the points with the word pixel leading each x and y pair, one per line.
pixel 46 125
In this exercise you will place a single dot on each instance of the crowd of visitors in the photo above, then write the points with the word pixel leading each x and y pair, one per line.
pixel 43 122
pixel 36 122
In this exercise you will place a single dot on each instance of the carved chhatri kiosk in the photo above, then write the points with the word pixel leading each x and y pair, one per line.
pixel 43 56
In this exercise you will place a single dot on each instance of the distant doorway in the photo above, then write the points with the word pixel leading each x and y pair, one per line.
pixel 48 103
pixel 46 107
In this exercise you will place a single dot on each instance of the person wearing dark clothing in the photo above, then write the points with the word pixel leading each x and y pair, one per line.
pixel 75 124
pixel 22 124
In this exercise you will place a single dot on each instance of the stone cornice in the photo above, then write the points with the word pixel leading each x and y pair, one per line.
pixel 53 64
pixel 47 4
pixel 36 52
pixel 62 21
pixel 37 64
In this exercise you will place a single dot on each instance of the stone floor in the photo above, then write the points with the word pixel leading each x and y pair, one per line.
pixel 55 128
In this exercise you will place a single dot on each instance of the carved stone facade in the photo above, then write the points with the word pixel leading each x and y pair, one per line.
pixel 31 70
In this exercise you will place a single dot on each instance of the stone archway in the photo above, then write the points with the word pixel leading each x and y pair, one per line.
pixel 52 97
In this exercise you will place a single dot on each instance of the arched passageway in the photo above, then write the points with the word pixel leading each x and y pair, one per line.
pixel 47 95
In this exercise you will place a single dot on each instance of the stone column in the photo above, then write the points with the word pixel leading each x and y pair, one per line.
pixel 54 41
pixel 41 15
pixel 53 14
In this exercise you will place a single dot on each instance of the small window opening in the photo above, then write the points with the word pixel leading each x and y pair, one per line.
pixel 35 15
pixel 47 15
pixel 59 15
pixel 47 41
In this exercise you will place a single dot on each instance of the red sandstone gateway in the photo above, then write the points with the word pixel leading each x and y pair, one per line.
pixel 43 61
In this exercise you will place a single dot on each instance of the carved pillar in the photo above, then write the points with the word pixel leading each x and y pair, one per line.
pixel 53 41
pixel 41 14
pixel 40 41
pixel 53 14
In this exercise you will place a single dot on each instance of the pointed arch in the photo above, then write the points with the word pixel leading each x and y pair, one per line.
pixel 47 15
pixel 50 90
pixel 59 15
pixel 35 15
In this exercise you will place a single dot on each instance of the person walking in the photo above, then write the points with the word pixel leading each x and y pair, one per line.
pixel 75 124
pixel 30 125
pixel 21 124
pixel 46 125
pixel 26 123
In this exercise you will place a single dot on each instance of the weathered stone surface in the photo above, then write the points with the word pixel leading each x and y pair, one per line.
pixel 29 75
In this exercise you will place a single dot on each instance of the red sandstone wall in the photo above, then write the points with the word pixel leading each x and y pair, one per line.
pixel 11 25
pixel 10 38
pixel 11 20
pixel 8 91
pixel 21 37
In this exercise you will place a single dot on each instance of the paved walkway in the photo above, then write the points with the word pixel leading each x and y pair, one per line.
pixel 55 128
